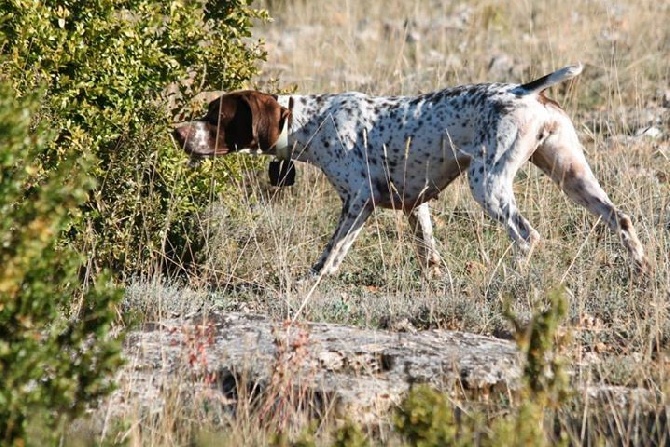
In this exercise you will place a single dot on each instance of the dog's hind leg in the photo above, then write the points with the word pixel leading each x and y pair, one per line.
pixel 561 157
pixel 493 190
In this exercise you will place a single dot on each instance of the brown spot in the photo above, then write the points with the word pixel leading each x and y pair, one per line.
pixel 550 128
pixel 545 101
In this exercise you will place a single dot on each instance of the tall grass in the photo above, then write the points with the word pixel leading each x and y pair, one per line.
pixel 266 239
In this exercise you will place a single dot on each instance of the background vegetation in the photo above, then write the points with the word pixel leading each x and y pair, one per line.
pixel 265 239
pixel 92 184
pixel 112 74
pixel 92 163
pixel 56 354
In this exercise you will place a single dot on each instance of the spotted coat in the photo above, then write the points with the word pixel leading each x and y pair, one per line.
pixel 400 151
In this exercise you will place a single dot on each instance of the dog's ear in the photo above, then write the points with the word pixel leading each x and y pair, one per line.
pixel 267 119
pixel 230 118
pixel 247 120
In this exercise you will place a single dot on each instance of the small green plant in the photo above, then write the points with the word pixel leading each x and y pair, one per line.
pixel 543 372
pixel 56 351
pixel 545 384
pixel 306 438
pixel 426 418
pixel 350 434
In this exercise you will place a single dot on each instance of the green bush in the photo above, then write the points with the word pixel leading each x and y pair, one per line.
pixel 426 417
pixel 51 365
pixel 106 66
pixel 538 340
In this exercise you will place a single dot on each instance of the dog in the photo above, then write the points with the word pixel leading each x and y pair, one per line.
pixel 400 152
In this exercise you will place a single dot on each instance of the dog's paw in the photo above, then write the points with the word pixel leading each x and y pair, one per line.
pixel 433 272
pixel 642 267
pixel 307 279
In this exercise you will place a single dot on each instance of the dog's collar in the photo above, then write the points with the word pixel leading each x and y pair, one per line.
pixel 284 146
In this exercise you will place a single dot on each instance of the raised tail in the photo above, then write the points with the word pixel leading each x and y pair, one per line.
pixel 547 81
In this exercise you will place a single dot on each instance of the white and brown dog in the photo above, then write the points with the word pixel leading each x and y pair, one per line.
pixel 400 151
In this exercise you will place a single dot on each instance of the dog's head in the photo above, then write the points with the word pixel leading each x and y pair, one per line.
pixel 247 121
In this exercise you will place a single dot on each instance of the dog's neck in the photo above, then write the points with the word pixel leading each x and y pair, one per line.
pixel 284 145
pixel 293 143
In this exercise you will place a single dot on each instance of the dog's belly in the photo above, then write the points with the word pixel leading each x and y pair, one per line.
pixel 397 190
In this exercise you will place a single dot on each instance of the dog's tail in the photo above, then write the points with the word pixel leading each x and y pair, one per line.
pixel 547 81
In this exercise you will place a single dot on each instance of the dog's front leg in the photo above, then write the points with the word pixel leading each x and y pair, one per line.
pixel 355 212
pixel 422 229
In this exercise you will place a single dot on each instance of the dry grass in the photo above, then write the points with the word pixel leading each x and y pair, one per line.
pixel 266 239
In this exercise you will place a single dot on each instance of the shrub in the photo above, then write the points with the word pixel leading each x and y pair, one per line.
pixel 427 418
pixel 540 342
pixel 51 365
pixel 106 66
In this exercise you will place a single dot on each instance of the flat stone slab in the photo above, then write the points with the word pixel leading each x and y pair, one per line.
pixel 358 373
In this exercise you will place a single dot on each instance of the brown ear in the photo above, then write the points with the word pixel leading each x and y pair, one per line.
pixel 245 120
pixel 267 119
pixel 230 118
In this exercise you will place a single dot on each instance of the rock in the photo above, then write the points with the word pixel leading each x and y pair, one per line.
pixel 649 131
pixel 220 362
pixel 356 372
pixel 624 397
